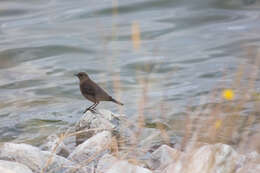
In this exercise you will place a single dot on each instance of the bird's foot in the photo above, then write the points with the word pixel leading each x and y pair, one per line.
pixel 93 110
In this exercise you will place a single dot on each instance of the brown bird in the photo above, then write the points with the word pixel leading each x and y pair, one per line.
pixel 91 91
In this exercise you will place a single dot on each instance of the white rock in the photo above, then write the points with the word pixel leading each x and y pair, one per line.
pixel 109 115
pixel 93 148
pixel 13 167
pixel 33 157
pixel 92 123
pixel 125 167
pixel 162 157
pixel 218 158
pixel 55 144
pixel 213 158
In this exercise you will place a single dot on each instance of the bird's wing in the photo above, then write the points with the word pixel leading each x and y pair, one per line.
pixel 88 90
pixel 101 94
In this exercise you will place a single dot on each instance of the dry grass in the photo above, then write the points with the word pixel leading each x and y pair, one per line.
pixel 222 122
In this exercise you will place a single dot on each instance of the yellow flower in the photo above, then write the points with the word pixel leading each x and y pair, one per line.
pixel 218 124
pixel 228 94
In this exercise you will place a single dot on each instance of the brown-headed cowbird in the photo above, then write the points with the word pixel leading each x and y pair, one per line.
pixel 91 91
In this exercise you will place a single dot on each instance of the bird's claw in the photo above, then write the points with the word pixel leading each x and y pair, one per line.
pixel 93 110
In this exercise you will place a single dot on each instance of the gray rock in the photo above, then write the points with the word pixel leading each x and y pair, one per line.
pixel 250 163
pixel 105 163
pixel 162 157
pixel 13 167
pixel 93 148
pixel 125 167
pixel 55 144
pixel 91 123
pixel 253 157
pixel 249 168
pixel 34 158
pixel 172 167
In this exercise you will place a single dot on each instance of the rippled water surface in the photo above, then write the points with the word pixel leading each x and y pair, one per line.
pixel 185 48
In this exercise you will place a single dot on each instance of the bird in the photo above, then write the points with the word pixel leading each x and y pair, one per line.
pixel 91 91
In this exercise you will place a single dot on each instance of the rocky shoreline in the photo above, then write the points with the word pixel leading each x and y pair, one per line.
pixel 99 149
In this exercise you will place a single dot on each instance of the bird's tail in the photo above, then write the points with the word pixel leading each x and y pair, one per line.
pixel 115 101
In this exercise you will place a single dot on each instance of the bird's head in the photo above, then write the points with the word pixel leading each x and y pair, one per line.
pixel 82 76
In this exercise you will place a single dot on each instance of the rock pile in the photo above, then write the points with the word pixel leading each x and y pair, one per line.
pixel 97 152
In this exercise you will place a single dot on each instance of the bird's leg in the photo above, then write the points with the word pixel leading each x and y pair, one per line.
pixel 93 110
pixel 89 108
pixel 95 105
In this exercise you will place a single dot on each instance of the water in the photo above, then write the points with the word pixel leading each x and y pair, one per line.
pixel 185 48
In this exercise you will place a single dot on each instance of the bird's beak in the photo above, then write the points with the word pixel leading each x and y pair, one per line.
pixel 76 75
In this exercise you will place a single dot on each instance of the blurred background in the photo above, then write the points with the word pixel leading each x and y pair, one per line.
pixel 161 58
